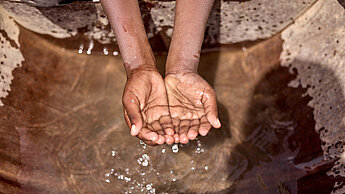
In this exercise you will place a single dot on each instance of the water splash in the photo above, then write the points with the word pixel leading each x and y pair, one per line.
pixel 91 44
pixel 105 51
pixel 174 148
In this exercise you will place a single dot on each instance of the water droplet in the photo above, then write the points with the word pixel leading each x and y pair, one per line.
pixel 206 167
pixel 113 153
pixel 145 163
pixel 90 47
pixel 81 48
pixel 175 148
pixel 115 53
pixel 120 177
pixel 127 179
pixel 105 51
pixel 107 180
pixel 149 186
pixel 164 150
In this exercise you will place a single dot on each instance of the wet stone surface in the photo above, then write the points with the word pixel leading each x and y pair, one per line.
pixel 62 128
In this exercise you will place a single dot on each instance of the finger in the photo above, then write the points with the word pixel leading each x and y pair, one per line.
pixel 176 138
pixel 205 126
pixel 146 134
pixel 131 105
pixel 176 123
pixel 184 127
pixel 134 129
pixel 169 139
pixel 167 125
pixel 156 127
pixel 161 139
pixel 193 130
pixel 210 104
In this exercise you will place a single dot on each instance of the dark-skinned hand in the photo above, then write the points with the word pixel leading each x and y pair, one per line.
pixel 192 105
pixel 146 108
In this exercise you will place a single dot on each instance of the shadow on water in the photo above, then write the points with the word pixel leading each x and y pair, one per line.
pixel 281 150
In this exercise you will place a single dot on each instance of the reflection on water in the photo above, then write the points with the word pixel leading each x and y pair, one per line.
pixel 63 130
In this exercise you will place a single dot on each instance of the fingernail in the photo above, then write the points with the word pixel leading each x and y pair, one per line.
pixel 133 130
pixel 203 133
pixel 217 122
pixel 154 138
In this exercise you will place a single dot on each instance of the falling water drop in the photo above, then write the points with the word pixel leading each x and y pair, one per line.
pixel 81 48
pixel 105 51
pixel 174 148
pixel 90 47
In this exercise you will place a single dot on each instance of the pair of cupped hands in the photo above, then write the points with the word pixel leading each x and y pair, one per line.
pixel 171 110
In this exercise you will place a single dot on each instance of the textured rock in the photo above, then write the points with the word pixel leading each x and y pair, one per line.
pixel 229 22
pixel 236 21
pixel 10 55
pixel 31 18
pixel 315 47
pixel 40 3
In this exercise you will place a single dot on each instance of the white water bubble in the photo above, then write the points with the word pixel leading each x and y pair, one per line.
pixel 105 51
pixel 145 163
pixel 143 144
pixel 107 180
pixel 127 179
pixel 174 148
pixel 90 47
pixel 149 186
pixel 120 177
pixel 113 153
pixel 206 167
pixel 164 150
pixel 146 157
pixel 81 48
pixel 199 150
pixel 199 143
pixel 115 53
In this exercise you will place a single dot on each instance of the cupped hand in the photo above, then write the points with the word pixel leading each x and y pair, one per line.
pixel 192 105
pixel 146 106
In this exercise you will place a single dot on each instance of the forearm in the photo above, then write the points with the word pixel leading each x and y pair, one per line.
pixel 189 27
pixel 126 21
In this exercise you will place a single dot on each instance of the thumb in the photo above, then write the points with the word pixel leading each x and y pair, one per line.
pixel 132 112
pixel 210 105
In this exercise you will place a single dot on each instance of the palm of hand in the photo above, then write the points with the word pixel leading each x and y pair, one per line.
pixel 146 107
pixel 192 105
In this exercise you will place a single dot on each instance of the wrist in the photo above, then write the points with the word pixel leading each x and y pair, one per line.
pixel 134 68
pixel 177 66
